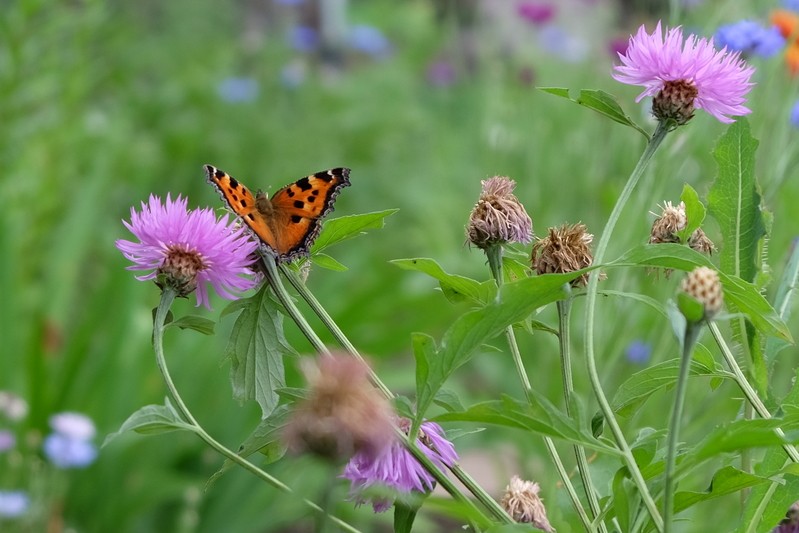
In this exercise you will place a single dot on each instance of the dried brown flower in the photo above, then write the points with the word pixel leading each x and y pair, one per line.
pixel 498 217
pixel 343 413
pixel 703 285
pixel 524 505
pixel 565 249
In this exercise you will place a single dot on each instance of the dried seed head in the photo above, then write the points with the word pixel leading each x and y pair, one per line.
pixel 703 285
pixel 523 504
pixel 700 242
pixel 498 217
pixel 564 249
pixel 671 221
pixel 675 102
pixel 343 413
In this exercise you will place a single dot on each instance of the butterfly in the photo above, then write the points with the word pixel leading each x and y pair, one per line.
pixel 289 221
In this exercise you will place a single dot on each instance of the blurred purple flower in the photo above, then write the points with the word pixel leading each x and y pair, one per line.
pixel 66 452
pixel 396 468
pixel 441 73
pixel 618 46
pixel 73 425
pixel 7 440
pixel 369 40
pixel 13 503
pixel 639 352
pixel 795 115
pixel 11 405
pixel 749 37
pixel 238 90
pixel 189 249
pixel 560 43
pixel 303 38
pixel 536 13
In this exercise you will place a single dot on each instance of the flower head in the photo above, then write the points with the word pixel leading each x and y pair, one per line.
pixel 187 249
pixel 685 74
pixel 703 285
pixel 565 249
pixel 370 41
pixel 673 220
pixel 789 524
pixel 73 425
pixel 396 469
pixel 524 505
pixel 7 440
pixel 749 37
pixel 498 217
pixel 13 503
pixel 70 446
pixel 535 13
pixel 343 414
pixel 638 352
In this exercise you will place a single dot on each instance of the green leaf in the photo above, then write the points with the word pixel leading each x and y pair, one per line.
pixel 151 420
pixel 448 400
pixel 601 102
pixel 666 255
pixel 639 387
pixel 694 212
pixel 691 308
pixel 343 228
pixel 404 515
pixel 256 350
pixel 782 301
pixel 516 300
pixel 197 323
pixel 734 202
pixel 326 261
pixel 741 435
pixel 265 438
pixel 727 480
pixel 542 418
pixel 745 298
pixel 456 288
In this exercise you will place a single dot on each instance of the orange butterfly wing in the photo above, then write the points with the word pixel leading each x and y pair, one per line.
pixel 289 222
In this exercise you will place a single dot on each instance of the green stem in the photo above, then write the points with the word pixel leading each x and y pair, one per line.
pixel 691 334
pixel 494 254
pixel 591 297
pixel 750 393
pixel 167 297
pixel 564 336
pixel 320 311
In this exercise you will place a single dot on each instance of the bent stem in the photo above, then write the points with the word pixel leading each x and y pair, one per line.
pixel 750 393
pixel 590 313
pixel 564 338
pixel 167 298
pixel 479 493
pixel 691 334
pixel 494 254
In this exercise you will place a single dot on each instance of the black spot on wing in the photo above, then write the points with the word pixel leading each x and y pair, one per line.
pixel 296 219
pixel 250 216
pixel 304 184
pixel 299 204
pixel 291 193
pixel 311 199
pixel 243 203
pixel 234 183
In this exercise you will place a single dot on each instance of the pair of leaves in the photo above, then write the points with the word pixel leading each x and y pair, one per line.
pixel 341 229
pixel 601 102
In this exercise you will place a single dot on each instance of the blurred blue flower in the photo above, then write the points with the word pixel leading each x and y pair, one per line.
pixel 7 440
pixel 559 42
pixel 638 352
pixel 793 5
pixel 290 2
pixel 66 452
pixel 749 37
pixel 238 90
pixel 303 38
pixel 293 74
pixel 73 425
pixel 795 114
pixel 369 40
pixel 13 503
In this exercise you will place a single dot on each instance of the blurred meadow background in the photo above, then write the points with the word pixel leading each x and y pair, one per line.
pixel 103 103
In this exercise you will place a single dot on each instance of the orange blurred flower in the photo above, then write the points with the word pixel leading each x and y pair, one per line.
pixel 786 21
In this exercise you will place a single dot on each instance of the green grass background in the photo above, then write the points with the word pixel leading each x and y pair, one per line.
pixel 104 103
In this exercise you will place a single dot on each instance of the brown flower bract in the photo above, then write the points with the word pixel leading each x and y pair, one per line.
pixel 565 249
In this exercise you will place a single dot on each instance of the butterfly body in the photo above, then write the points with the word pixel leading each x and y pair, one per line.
pixel 289 221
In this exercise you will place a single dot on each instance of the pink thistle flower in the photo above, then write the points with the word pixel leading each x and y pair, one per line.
pixel 396 469
pixel 187 249
pixel 685 74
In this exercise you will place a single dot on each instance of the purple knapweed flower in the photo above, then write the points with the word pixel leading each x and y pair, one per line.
pixel 396 469
pixel 536 13
pixel 369 40
pixel 189 249
pixel 685 74
pixel 638 352
pixel 749 37
pixel 795 114
pixel 7 440
pixel 238 90
pixel 303 38
pixel 13 503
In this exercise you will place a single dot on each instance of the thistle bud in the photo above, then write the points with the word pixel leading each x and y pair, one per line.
pixel 703 285
pixel 524 505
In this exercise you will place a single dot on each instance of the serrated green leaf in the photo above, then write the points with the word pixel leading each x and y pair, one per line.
pixel 151 420
pixel 542 418
pixel 694 212
pixel 448 400
pixel 256 349
pixel 727 480
pixel 639 387
pixel 326 261
pixel 454 287
pixel 197 323
pixel 745 298
pixel 741 435
pixel 514 269
pixel 601 102
pixel 343 228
